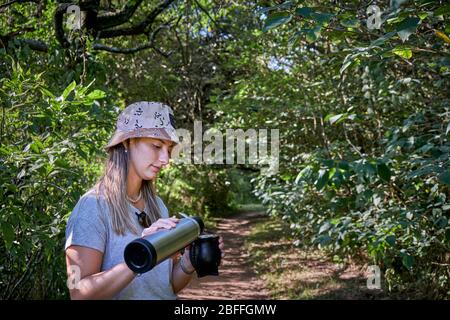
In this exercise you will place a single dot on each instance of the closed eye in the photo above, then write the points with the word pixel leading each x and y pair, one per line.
pixel 156 146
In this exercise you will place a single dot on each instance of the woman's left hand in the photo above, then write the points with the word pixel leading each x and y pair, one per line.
pixel 187 259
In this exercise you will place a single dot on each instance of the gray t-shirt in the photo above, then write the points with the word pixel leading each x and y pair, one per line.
pixel 89 225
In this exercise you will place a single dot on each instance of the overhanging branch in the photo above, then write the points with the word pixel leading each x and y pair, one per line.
pixel 58 20
pixel 102 47
pixel 137 29
pixel 36 45
pixel 112 19
pixel 148 45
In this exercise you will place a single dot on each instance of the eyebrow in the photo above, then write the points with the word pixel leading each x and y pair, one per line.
pixel 172 144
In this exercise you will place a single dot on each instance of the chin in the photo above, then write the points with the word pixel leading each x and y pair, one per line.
pixel 151 175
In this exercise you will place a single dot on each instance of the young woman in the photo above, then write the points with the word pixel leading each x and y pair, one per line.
pixel 123 205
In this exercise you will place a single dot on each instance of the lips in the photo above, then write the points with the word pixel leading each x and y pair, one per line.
pixel 154 168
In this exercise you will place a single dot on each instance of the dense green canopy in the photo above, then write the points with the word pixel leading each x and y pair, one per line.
pixel 360 97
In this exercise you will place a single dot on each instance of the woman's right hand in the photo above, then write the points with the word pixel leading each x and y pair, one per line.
pixel 166 223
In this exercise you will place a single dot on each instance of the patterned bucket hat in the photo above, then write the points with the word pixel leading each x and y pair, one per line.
pixel 145 119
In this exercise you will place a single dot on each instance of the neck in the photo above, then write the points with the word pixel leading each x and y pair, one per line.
pixel 134 183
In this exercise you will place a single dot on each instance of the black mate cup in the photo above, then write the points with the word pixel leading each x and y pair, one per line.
pixel 205 255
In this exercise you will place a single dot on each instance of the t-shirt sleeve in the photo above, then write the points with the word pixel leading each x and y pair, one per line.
pixel 86 226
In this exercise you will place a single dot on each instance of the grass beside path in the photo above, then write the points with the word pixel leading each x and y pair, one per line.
pixel 293 273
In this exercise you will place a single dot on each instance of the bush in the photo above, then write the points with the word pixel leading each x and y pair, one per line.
pixel 47 146
pixel 392 211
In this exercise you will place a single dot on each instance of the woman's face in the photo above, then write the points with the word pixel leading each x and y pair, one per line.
pixel 149 155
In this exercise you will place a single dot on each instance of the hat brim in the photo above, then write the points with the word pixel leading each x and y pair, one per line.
pixel 156 133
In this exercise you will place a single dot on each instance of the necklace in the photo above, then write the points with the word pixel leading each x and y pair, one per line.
pixel 134 200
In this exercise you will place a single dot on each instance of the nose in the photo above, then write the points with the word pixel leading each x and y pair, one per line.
pixel 164 156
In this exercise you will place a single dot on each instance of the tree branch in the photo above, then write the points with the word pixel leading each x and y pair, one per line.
pixel 58 20
pixel 35 45
pixel 148 45
pixel 88 10
pixel 140 28
pixel 102 47
pixel 112 19
pixel 209 16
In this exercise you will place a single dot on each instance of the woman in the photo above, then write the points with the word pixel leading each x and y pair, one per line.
pixel 122 206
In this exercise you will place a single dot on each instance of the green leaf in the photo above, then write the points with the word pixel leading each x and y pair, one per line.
pixel 324 227
pixel 408 261
pixel 382 39
pixel 403 52
pixel 320 17
pixel 62 163
pixel 331 173
pixel 284 6
pixel 444 177
pixel 4 150
pixel 68 90
pixel 21 174
pixel 350 22
pixel 407 27
pixel 334 118
pixel 396 3
pixel 442 222
pixel 96 94
pixel 343 165
pixel 305 12
pixel 313 34
pixel 82 154
pixel 304 174
pixel 47 93
pixel 276 19
pixel 349 60
pixel 442 10
pixel 391 240
pixel 11 187
pixel 8 234
pixel 324 240
pixel 423 15
pixel 383 171
pixel 369 169
pixel 322 180
pixel 420 172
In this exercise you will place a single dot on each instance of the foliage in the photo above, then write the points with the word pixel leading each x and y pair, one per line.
pixel 363 116
pixel 47 144
pixel 369 165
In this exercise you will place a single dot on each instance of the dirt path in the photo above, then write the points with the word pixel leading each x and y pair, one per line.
pixel 237 280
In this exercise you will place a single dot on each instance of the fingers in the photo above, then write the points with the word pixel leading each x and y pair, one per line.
pixel 168 223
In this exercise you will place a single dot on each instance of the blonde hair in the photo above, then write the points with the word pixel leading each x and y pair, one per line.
pixel 112 185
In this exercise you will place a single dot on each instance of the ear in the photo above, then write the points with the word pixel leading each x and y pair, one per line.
pixel 126 144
